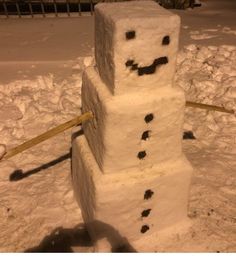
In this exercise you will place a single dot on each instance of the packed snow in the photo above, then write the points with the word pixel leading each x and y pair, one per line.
pixel 37 200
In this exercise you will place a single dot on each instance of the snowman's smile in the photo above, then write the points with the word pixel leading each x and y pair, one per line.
pixel 150 69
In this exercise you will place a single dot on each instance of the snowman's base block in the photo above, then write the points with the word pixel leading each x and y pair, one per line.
pixel 156 242
pixel 123 208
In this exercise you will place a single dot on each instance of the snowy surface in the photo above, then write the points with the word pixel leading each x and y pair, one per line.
pixel 40 88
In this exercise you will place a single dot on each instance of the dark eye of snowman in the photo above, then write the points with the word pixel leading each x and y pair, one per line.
pixel 166 40
pixel 130 35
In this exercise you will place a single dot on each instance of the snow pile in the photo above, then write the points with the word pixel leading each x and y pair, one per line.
pixel 208 75
pixel 36 195
pixel 29 107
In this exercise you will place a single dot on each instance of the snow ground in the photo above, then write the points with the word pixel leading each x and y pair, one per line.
pixel 211 24
pixel 40 88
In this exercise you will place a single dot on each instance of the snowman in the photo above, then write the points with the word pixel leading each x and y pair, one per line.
pixel 130 176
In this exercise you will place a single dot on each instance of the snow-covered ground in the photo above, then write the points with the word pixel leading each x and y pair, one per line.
pixel 40 79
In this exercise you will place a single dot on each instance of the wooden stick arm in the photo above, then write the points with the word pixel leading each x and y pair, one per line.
pixel 52 132
pixel 208 107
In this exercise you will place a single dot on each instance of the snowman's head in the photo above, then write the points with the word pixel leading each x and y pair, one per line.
pixel 135 45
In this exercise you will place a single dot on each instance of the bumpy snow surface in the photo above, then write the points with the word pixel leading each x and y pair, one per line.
pixel 36 195
pixel 208 75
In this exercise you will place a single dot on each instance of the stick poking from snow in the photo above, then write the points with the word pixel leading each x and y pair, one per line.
pixel 208 107
pixel 52 132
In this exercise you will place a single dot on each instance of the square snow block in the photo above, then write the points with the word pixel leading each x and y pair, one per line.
pixel 135 45
pixel 129 205
pixel 132 129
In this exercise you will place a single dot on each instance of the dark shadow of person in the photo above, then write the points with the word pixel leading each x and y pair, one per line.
pixel 63 240
pixel 101 230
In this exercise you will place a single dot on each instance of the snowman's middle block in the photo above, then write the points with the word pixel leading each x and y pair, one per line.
pixel 135 129
pixel 136 45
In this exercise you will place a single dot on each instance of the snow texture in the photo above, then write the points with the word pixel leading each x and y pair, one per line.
pixel 208 75
pixel 115 150
pixel 135 202
pixel 39 203
pixel 36 195
pixel 33 207
pixel 121 31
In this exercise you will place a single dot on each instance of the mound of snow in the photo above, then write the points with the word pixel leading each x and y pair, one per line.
pixel 208 75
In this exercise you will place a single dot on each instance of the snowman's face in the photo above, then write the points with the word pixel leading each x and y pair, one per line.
pixel 148 69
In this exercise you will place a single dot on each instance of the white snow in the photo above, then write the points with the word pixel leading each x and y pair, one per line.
pixel 32 208
pixel 129 39
pixel 208 75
